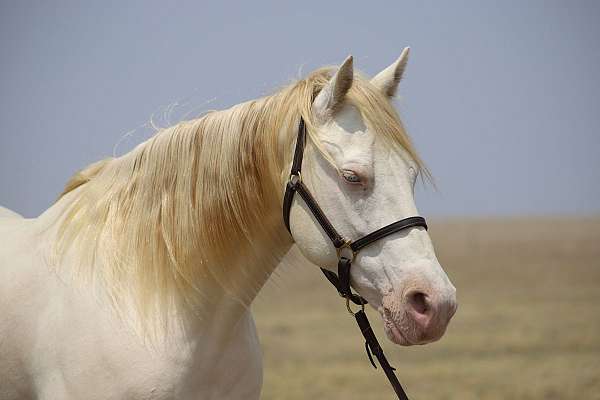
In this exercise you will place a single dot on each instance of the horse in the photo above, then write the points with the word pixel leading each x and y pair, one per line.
pixel 136 283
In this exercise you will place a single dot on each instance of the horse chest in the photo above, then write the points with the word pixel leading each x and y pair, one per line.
pixel 67 345
pixel 187 366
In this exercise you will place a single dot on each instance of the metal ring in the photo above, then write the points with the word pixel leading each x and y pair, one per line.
pixel 296 178
pixel 347 245
pixel 362 305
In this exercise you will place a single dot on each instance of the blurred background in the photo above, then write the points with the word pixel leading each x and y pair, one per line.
pixel 501 100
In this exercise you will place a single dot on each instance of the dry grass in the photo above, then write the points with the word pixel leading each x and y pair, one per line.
pixel 528 325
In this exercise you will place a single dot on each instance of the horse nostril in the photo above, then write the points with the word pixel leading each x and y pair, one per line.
pixel 418 302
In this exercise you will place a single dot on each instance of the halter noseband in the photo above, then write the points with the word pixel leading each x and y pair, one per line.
pixel 341 280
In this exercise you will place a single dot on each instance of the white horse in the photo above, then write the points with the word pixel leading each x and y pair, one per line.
pixel 136 283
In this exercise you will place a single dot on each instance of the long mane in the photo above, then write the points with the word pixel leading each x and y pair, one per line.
pixel 198 203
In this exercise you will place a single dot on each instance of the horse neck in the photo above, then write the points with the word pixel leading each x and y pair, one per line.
pixel 199 255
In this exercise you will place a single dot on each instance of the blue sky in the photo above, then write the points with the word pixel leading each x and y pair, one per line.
pixel 501 98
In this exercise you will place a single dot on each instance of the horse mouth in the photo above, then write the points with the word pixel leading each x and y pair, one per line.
pixel 394 332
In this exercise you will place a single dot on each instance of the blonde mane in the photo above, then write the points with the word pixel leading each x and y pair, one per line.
pixel 195 205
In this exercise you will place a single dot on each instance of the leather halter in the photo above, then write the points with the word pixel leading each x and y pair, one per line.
pixel 341 281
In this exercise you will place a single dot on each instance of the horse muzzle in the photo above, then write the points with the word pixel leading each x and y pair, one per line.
pixel 418 315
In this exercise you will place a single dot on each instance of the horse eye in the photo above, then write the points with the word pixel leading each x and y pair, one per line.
pixel 350 177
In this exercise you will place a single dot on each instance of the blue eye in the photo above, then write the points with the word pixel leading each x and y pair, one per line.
pixel 350 177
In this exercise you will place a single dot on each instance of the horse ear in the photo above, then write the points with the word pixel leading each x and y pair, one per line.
pixel 332 95
pixel 387 80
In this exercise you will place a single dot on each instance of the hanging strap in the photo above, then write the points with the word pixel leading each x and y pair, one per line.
pixel 372 344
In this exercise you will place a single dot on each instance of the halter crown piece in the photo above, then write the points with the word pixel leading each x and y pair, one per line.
pixel 341 280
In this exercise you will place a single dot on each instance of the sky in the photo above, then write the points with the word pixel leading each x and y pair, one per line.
pixel 502 99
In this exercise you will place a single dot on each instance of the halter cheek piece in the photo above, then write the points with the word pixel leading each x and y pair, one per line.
pixel 346 252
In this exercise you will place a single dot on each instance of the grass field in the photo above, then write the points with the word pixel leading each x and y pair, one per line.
pixel 527 327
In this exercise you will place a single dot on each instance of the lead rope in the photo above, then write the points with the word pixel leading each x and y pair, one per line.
pixel 372 346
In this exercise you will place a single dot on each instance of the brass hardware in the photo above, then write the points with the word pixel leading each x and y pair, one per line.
pixel 347 245
pixel 362 305
pixel 295 178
